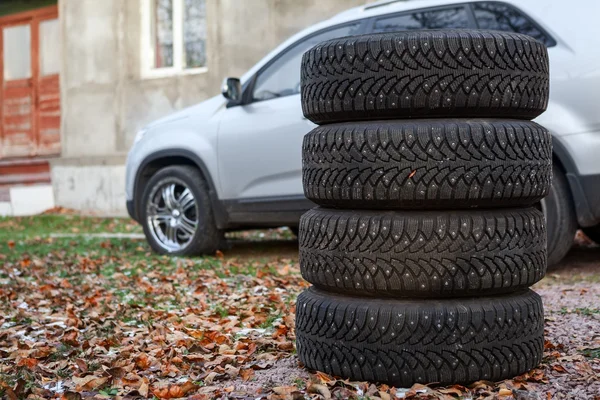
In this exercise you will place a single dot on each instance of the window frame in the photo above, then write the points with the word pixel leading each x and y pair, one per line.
pixel 147 47
pixel 248 87
pixel 532 21
pixel 466 6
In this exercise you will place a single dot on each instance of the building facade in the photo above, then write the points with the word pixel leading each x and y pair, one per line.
pixel 101 70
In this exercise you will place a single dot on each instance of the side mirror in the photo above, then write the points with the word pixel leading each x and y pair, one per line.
pixel 232 89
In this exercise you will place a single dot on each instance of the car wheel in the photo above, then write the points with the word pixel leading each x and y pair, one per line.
pixel 593 232
pixel 176 213
pixel 561 222
pixel 423 253
pixel 425 74
pixel 402 342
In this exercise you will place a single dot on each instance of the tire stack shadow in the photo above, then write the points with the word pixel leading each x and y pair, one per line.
pixel 425 167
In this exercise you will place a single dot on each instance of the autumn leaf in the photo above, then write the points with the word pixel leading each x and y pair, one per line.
pixel 28 363
pixel 174 391
pixel 11 244
pixel 142 361
pixel 87 383
pixel 559 368
pixel 246 374
pixel 319 389
pixel 324 378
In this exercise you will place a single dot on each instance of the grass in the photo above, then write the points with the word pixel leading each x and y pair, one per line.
pixel 591 353
pixel 43 225
pixel 580 310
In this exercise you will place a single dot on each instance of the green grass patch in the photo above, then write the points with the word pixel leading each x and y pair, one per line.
pixel 14 228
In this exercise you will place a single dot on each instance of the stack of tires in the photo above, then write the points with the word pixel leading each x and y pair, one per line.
pixel 427 170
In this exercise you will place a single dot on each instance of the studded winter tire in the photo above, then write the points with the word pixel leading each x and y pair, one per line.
pixel 401 342
pixel 427 164
pixel 458 73
pixel 423 253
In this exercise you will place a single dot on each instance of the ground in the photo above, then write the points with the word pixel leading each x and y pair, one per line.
pixel 87 311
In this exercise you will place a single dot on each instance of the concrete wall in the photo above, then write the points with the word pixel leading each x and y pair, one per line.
pixel 105 100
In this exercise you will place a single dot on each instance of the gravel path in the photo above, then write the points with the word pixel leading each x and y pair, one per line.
pixel 571 294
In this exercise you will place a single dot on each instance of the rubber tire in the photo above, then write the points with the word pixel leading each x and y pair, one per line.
pixel 207 238
pixel 593 232
pixel 402 342
pixel 423 254
pixel 561 220
pixel 427 164
pixel 458 73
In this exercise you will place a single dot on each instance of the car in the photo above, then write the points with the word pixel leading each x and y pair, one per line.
pixel 233 162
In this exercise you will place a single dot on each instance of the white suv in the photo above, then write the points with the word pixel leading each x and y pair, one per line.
pixel 233 161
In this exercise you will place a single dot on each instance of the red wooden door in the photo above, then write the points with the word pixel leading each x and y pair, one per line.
pixel 30 89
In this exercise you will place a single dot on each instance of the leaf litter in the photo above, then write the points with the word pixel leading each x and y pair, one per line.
pixel 111 320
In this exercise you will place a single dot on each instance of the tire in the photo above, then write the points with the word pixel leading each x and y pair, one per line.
pixel 458 73
pixel 561 221
pixel 402 342
pixel 427 164
pixel 206 239
pixel 593 233
pixel 423 254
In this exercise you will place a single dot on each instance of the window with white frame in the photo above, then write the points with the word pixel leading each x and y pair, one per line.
pixel 173 37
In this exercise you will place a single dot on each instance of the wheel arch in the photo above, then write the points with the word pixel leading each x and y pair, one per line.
pixel 565 162
pixel 164 158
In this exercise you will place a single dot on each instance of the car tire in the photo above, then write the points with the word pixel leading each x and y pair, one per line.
pixel 423 254
pixel 205 239
pixel 475 74
pixel 402 342
pixel 427 164
pixel 561 221
pixel 593 232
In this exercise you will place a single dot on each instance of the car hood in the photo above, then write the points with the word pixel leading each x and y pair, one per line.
pixel 203 111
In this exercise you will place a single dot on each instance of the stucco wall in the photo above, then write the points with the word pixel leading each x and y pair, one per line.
pixel 105 100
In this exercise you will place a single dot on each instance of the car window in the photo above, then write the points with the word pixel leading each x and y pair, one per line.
pixel 503 17
pixel 446 18
pixel 282 77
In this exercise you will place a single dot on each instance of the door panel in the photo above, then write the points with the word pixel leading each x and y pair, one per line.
pixel 18 94
pixel 260 149
pixel 30 84
pixel 49 88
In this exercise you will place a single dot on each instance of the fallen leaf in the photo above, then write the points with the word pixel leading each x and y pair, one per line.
pixel 246 374
pixel 88 383
pixel 319 389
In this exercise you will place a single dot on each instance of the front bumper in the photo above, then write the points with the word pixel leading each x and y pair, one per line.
pixel 131 210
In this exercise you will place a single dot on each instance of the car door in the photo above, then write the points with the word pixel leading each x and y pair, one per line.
pixel 259 144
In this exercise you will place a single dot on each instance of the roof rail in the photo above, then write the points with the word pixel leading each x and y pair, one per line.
pixel 382 3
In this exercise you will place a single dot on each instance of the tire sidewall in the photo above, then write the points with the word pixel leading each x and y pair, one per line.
pixel 561 224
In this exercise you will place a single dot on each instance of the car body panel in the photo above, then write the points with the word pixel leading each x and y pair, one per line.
pixel 267 135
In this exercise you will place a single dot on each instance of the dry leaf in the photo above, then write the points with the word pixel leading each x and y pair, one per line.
pixel 319 389
pixel 88 383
